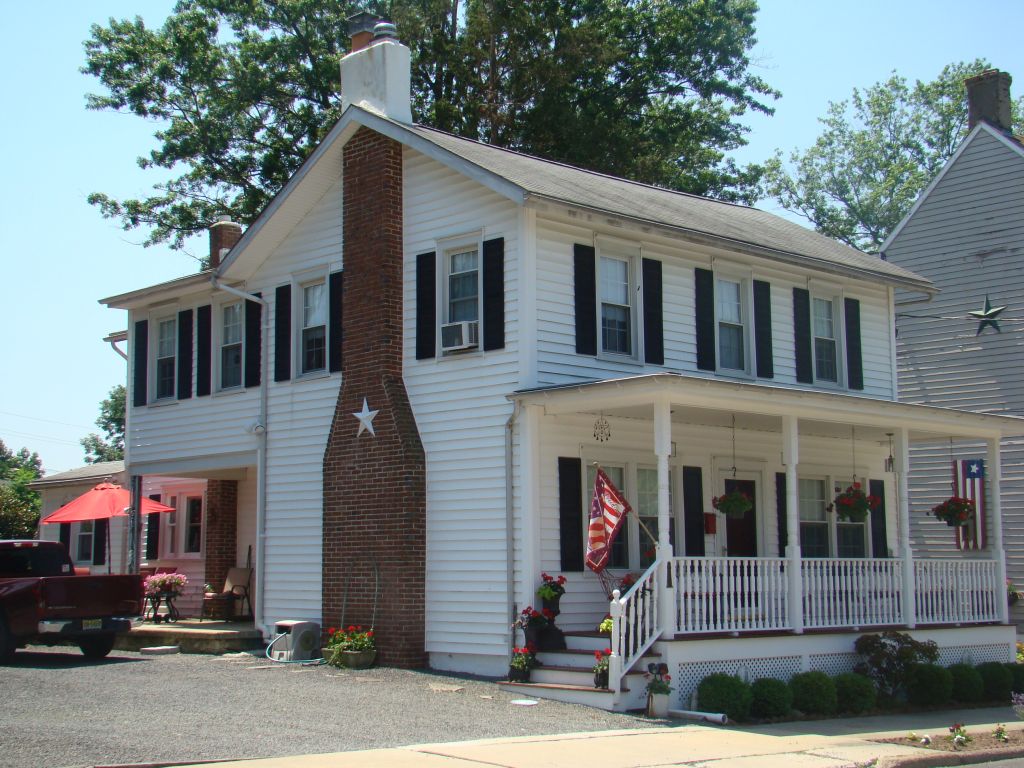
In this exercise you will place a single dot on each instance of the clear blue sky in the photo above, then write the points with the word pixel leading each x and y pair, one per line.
pixel 59 256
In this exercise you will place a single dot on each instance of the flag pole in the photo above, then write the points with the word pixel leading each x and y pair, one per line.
pixel 636 514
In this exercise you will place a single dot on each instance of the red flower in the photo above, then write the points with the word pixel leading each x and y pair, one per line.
pixel 331 631
pixel 548 614
pixel 369 633
pixel 597 655
pixel 607 651
pixel 530 647
pixel 351 628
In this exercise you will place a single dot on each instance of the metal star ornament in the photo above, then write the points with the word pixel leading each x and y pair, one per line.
pixel 365 418
pixel 987 316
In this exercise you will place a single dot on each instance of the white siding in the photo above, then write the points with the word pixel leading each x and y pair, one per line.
pixel 461 409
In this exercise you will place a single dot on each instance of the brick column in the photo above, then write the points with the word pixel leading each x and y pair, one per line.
pixel 221 528
pixel 375 485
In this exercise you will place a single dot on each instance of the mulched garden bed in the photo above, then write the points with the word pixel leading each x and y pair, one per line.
pixel 981 741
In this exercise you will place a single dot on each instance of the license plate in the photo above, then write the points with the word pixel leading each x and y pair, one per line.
pixel 92 624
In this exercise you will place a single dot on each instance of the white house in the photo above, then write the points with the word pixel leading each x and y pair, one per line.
pixel 396 382
pixel 964 233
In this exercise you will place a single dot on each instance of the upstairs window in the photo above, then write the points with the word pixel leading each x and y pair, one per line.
pixel 313 349
pixel 731 317
pixel 463 286
pixel 616 310
pixel 231 346
pixel 166 368
pixel 825 349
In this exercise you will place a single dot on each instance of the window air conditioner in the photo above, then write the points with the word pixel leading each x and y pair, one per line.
pixel 455 336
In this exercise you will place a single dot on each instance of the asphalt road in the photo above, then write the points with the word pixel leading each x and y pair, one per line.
pixel 58 709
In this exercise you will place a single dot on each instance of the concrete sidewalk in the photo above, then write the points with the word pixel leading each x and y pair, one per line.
pixel 817 744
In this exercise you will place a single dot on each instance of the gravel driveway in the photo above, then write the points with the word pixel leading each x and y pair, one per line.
pixel 57 709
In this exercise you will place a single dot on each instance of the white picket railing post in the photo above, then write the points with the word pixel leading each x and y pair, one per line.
pixel 617 642
pixel 993 482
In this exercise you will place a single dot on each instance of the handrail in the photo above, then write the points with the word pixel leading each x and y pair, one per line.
pixel 635 624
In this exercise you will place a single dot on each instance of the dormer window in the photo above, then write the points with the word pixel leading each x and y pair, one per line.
pixel 166 368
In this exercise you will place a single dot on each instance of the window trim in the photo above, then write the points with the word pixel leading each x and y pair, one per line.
pixel 632 253
pixel 834 482
pixel 839 331
pixel 300 282
pixel 78 533
pixel 175 534
pixel 443 248
pixel 187 525
pixel 745 277
pixel 153 364
pixel 218 344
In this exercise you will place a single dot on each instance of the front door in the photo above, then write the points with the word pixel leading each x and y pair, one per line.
pixel 741 532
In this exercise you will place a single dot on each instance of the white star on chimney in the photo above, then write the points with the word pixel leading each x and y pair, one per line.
pixel 365 418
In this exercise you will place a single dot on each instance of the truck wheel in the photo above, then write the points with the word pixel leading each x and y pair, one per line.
pixel 7 645
pixel 96 646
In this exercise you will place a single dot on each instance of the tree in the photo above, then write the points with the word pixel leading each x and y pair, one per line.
pixel 876 154
pixel 19 504
pixel 243 90
pixel 111 421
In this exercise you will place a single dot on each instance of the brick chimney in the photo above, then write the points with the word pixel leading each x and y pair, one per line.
pixel 224 233
pixel 360 29
pixel 988 99
pixel 376 75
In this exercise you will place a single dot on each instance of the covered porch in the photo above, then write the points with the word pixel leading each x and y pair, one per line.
pixel 791 565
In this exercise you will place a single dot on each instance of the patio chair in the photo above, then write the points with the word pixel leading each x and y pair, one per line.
pixel 236 590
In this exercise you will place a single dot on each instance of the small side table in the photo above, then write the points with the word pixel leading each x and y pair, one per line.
pixel 153 607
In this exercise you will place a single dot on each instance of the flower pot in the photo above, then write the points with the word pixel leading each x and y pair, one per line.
pixel 601 679
pixel 551 604
pixel 1011 599
pixel 956 523
pixel 551 638
pixel 531 636
pixel 518 675
pixel 657 705
pixel 358 659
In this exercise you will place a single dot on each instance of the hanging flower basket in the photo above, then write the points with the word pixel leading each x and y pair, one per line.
pixel 853 505
pixel 955 511
pixel 733 504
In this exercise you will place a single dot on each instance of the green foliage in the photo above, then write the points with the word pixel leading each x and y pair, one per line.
pixel 855 693
pixel 1017 673
pixel 968 685
pixel 929 684
pixel 241 92
pixel 887 657
pixel 111 421
pixel 814 693
pixel 997 679
pixel 19 504
pixel 772 698
pixel 875 155
pixel 727 694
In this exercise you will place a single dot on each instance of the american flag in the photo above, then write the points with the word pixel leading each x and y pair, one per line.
pixel 969 483
pixel 607 511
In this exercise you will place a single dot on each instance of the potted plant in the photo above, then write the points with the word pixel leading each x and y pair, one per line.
pixel 1012 595
pixel 658 689
pixel 853 505
pixel 733 504
pixel 353 647
pixel 523 660
pixel 605 627
pixel 550 592
pixel 165 584
pixel 601 668
pixel 954 511
pixel 533 622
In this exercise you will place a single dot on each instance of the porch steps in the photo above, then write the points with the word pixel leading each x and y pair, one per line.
pixel 194 636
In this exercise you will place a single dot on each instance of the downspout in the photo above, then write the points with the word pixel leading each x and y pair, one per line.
pixel 510 548
pixel 260 430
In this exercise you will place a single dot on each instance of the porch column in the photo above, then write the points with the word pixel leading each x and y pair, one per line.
pixel 902 440
pixel 530 463
pixel 663 449
pixel 794 566
pixel 994 470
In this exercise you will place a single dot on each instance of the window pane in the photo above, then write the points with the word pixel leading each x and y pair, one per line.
pixel 463 262
pixel 615 335
pixel 314 349
pixel 730 347
pixel 463 287
pixel 812 500
pixel 165 338
pixel 165 377
pixel 314 305
pixel 729 308
pixel 231 366
pixel 232 324
pixel 851 540
pixel 823 323
pixel 814 539
pixel 614 281
pixel 825 368
pixel 194 524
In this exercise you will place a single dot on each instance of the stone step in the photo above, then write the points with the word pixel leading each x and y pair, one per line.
pixel 580 676
pixel 193 637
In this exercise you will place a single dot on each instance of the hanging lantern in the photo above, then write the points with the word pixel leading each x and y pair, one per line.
pixel 602 429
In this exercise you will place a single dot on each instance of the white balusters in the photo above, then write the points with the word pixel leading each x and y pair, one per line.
pixel 957 591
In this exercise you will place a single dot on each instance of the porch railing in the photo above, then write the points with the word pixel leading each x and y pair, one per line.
pixel 635 624
pixel 851 592
pixel 730 594
pixel 957 591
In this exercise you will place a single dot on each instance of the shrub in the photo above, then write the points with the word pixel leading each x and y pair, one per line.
pixel 997 679
pixel 772 698
pixel 967 683
pixel 855 693
pixel 888 657
pixel 1017 672
pixel 727 694
pixel 929 684
pixel 814 693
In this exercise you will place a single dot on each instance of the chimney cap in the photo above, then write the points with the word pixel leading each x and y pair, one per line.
pixel 364 21
pixel 385 30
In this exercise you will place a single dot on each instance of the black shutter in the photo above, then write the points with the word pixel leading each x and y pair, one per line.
pixel 153 531
pixel 802 335
pixel 334 327
pixel 65 536
pixel 139 362
pixel 763 329
pixel 704 305
pixel 426 305
pixel 184 356
pixel 585 297
pixel 781 518
pixel 494 294
pixel 204 349
pixel 253 341
pixel 654 334
pixel 879 537
pixel 854 361
pixel 283 333
pixel 570 512
pixel 693 510
pixel 99 542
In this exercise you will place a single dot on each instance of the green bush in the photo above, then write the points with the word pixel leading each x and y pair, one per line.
pixel 772 698
pixel 886 659
pixel 968 686
pixel 855 693
pixel 727 694
pixel 998 680
pixel 929 684
pixel 1017 672
pixel 814 693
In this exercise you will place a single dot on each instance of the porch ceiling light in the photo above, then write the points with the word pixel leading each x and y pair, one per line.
pixel 602 429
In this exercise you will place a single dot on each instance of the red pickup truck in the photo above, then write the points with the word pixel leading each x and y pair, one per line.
pixel 43 602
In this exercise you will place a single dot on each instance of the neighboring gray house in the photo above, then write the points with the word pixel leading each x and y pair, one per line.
pixel 966 234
